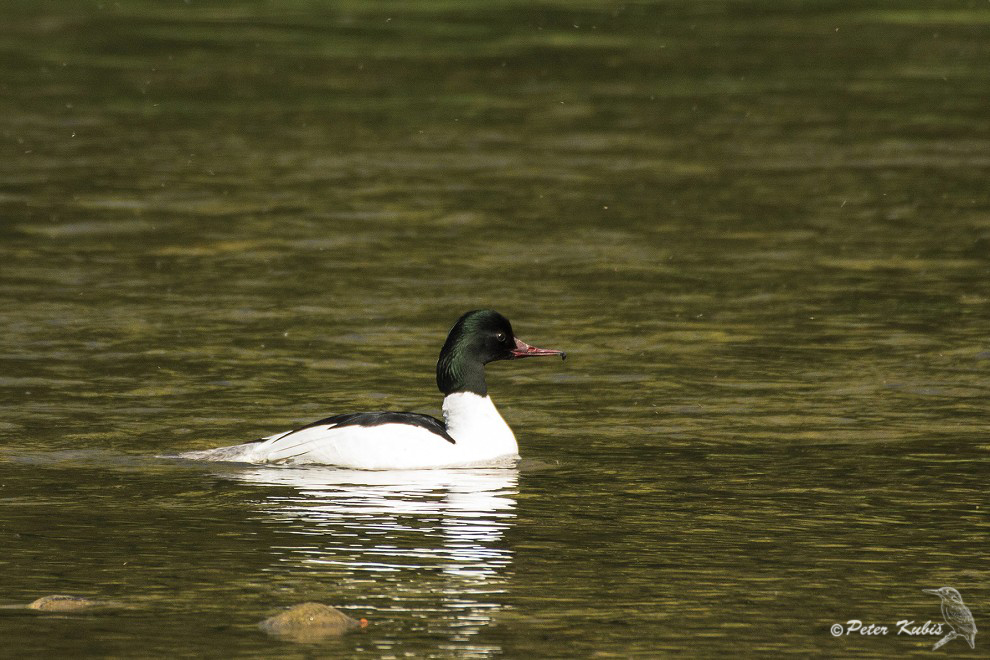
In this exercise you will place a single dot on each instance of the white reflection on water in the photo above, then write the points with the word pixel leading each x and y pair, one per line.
pixel 432 540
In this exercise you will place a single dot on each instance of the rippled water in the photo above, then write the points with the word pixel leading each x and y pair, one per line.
pixel 760 230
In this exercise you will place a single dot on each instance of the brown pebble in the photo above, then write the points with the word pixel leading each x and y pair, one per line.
pixel 62 603
pixel 310 622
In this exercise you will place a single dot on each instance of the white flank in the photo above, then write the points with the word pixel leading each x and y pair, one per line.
pixel 483 439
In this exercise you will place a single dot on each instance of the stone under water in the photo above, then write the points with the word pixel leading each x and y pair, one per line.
pixel 309 622
pixel 62 603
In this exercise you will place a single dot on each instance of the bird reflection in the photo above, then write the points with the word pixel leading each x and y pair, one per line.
pixel 426 540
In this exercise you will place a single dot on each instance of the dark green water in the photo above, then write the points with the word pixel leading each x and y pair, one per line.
pixel 761 230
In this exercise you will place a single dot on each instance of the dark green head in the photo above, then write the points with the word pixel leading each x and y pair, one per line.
pixel 479 337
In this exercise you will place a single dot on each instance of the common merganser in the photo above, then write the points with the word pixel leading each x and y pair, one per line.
pixel 472 433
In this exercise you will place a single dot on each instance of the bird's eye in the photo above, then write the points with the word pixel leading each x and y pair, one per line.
pixel 500 336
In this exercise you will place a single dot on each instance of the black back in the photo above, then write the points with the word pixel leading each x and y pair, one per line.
pixel 431 424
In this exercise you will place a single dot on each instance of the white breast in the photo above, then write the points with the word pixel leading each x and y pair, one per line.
pixel 474 422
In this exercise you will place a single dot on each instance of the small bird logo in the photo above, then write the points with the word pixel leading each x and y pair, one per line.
pixel 956 615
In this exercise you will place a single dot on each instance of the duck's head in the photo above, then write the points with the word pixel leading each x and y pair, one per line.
pixel 479 337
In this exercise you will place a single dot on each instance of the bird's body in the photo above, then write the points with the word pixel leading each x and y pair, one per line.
pixel 471 434
pixel 957 616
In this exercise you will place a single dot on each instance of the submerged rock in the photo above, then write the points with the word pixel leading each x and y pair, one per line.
pixel 310 622
pixel 62 603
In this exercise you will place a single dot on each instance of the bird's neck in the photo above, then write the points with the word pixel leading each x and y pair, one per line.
pixel 456 374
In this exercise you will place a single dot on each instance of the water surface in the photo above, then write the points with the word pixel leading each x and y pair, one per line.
pixel 761 230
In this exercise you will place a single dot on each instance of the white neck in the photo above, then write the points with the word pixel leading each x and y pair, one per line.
pixel 478 428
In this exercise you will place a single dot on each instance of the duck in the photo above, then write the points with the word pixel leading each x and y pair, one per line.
pixel 472 433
